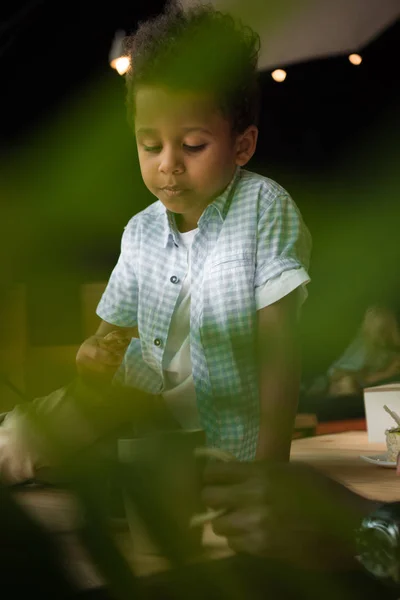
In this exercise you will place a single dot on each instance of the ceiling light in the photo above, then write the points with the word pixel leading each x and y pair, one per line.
pixel 355 59
pixel 116 57
pixel 279 75
pixel 121 64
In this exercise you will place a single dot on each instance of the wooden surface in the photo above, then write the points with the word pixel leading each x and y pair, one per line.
pixel 336 455
pixel 339 456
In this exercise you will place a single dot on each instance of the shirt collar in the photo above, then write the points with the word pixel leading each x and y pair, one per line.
pixel 170 228
pixel 221 205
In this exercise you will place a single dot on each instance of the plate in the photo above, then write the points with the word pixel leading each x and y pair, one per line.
pixel 380 460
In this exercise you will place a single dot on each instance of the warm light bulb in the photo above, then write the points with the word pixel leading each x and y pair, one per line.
pixel 121 64
pixel 355 59
pixel 278 75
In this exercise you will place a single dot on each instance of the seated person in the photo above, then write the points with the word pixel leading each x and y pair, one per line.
pixel 372 358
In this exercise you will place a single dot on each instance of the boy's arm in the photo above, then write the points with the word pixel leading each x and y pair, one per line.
pixel 279 376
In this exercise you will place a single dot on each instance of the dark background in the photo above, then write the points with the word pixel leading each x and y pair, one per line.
pixel 70 179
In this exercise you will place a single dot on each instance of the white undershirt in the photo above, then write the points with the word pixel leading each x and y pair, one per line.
pixel 179 391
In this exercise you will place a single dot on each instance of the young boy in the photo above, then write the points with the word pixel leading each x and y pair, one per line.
pixel 211 275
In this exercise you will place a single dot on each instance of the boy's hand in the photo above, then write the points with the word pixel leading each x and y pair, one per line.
pixel 285 511
pixel 99 357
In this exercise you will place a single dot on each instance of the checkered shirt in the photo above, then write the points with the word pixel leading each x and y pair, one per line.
pixel 250 234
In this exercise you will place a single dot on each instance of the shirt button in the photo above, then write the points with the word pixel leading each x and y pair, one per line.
pixel 157 342
pixel 174 279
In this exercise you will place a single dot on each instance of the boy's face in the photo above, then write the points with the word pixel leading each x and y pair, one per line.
pixel 187 150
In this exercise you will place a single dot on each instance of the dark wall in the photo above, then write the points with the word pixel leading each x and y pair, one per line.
pixel 70 181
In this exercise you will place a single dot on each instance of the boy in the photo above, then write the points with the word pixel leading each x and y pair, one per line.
pixel 211 275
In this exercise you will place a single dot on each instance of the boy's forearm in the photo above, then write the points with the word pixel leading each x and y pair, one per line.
pixel 279 390
pixel 278 358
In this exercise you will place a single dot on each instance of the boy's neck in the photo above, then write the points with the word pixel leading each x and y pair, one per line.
pixel 183 225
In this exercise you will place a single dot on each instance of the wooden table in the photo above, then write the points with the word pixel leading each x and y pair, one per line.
pixel 336 455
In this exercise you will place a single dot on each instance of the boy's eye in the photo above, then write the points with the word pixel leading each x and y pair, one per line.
pixel 187 147
pixel 151 148
pixel 198 148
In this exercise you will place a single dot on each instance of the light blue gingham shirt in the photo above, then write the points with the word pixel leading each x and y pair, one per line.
pixel 251 233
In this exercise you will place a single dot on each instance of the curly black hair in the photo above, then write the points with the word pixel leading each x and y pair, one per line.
pixel 197 49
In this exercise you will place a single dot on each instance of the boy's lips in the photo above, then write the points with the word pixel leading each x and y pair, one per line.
pixel 173 190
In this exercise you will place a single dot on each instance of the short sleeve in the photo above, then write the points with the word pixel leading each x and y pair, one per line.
pixel 277 288
pixel 118 304
pixel 283 242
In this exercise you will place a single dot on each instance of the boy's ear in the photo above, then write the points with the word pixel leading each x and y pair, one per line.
pixel 246 144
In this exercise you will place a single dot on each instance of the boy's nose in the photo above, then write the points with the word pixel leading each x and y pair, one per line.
pixel 171 162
